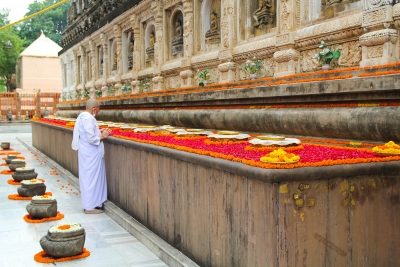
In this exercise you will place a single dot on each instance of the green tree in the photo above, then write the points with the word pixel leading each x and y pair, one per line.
pixel 52 23
pixel 11 46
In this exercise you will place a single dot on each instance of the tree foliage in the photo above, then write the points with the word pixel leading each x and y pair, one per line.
pixel 11 46
pixel 52 23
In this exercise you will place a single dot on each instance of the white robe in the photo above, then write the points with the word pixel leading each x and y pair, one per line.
pixel 92 171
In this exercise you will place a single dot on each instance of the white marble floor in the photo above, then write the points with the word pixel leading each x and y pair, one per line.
pixel 110 245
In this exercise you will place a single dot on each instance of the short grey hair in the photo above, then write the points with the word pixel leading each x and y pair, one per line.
pixel 92 103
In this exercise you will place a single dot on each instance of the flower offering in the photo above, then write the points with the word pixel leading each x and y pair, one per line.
pixel 66 227
pixel 389 148
pixel 33 181
pixel 280 156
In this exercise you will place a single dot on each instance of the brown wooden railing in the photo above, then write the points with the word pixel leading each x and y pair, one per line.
pixel 22 104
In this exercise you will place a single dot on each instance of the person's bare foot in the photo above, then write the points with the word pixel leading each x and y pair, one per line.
pixel 94 211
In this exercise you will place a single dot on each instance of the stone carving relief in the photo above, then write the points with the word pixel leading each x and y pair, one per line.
pixel 130 52
pixel 225 29
pixel 332 2
pixel 283 66
pixel 350 54
pixel 264 16
pixel 172 81
pixel 284 16
pixel 370 4
pixel 374 17
pixel 307 60
pixel 375 51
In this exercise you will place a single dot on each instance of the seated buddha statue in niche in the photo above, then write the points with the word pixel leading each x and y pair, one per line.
pixel 150 49
pixel 213 34
pixel 177 40
pixel 263 14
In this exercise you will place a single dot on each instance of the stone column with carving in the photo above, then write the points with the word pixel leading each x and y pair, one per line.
pixel 81 86
pixel 380 42
pixel 75 76
pixel 158 80
pixel 135 22
pixel 187 75
pixel 118 73
pixel 227 69
pixel 104 44
pixel 93 60
pixel 287 57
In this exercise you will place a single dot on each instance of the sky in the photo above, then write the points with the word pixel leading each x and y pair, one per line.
pixel 18 8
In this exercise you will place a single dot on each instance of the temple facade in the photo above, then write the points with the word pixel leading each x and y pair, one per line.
pixel 114 46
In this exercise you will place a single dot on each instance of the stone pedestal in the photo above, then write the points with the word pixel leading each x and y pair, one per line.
pixel 42 208
pixel 158 83
pixel 21 174
pixel 187 78
pixel 227 72
pixel 30 190
pixel 135 86
pixel 10 158
pixel 379 47
pixel 5 145
pixel 16 163
pixel 63 244
pixel 286 62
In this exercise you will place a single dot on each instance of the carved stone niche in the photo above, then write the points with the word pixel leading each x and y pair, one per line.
pixel 264 17
pixel 334 8
pixel 379 47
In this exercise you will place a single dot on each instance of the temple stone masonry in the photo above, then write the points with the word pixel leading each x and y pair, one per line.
pixel 142 60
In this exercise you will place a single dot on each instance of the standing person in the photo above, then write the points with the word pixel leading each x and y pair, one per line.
pixel 87 139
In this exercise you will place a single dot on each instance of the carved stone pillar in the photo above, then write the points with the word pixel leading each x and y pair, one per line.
pixel 93 60
pixel 379 44
pixel 157 7
pixel 118 73
pixel 227 70
pixel 287 57
pixel 81 86
pixel 75 76
pixel 104 44
pixel 135 23
pixel 188 39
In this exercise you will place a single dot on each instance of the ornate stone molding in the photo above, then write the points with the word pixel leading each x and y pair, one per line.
pixel 370 4
pixel 376 17
pixel 227 72
pixel 379 37
pixel 170 3
pixel 332 26
pixel 286 55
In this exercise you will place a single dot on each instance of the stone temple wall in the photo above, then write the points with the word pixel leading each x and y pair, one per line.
pixel 113 45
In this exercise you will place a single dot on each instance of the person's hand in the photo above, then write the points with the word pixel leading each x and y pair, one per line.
pixel 104 133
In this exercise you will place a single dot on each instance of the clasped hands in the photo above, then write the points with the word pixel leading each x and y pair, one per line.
pixel 104 133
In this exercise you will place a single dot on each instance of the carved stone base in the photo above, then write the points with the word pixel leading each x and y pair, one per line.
pixel 44 208
pixel 379 47
pixel 187 78
pixel 227 72
pixel 287 61
pixel 30 190
pixel 158 83
pixel 135 86
pixel 63 244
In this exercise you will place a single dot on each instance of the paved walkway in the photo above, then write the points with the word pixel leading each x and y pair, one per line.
pixel 110 245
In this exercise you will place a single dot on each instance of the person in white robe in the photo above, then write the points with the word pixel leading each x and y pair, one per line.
pixel 87 139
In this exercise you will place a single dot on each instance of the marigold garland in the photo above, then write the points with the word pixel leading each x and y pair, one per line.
pixel 43 257
pixel 6 172
pixel 28 218
pixel 3 164
pixel 6 152
pixel 19 197
pixel 13 182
